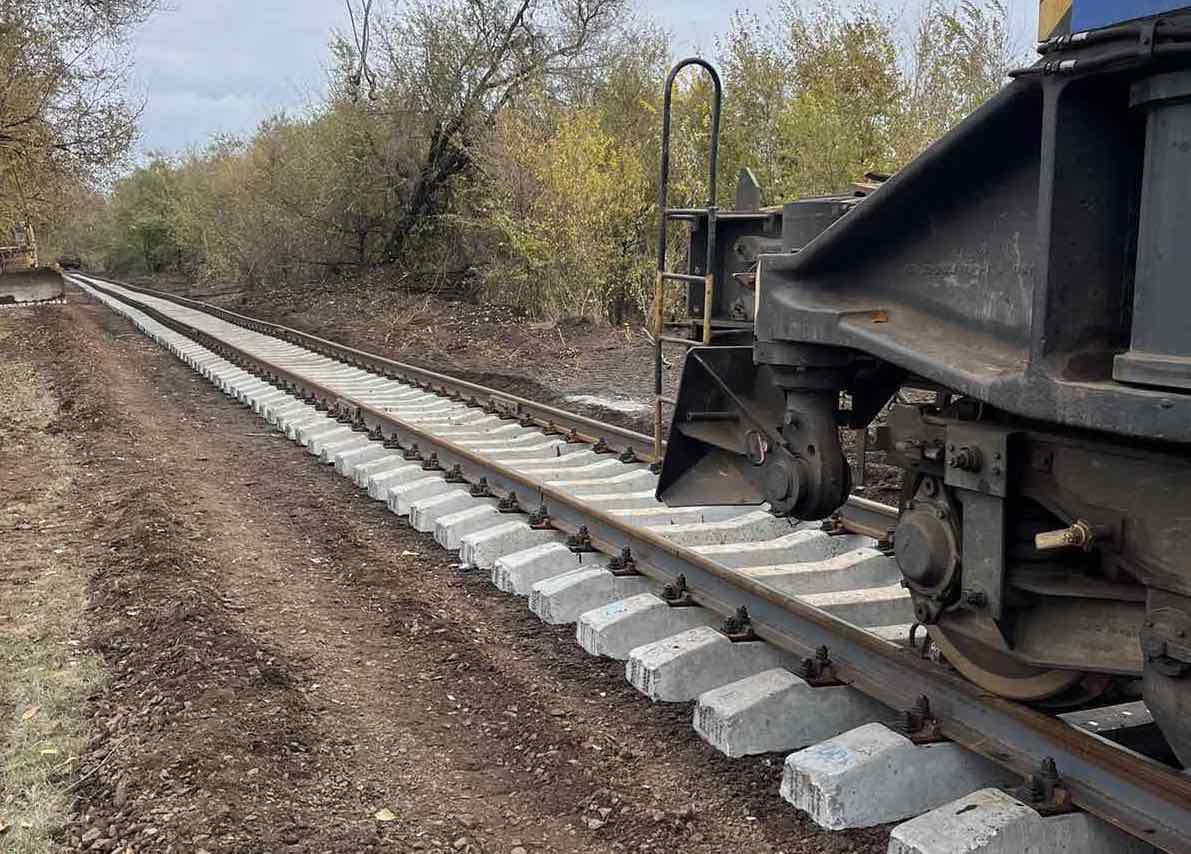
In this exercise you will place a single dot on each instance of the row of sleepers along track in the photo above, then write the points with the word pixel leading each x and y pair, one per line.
pixel 33 303
pixel 845 768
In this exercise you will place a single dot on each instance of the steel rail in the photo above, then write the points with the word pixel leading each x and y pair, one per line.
pixel 858 515
pixel 1139 795
pixel 615 438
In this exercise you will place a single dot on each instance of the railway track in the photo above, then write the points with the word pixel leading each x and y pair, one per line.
pixel 788 637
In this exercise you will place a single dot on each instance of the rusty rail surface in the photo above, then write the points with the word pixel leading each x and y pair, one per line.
pixel 1140 795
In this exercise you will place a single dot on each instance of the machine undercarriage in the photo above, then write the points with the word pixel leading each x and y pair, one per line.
pixel 1010 318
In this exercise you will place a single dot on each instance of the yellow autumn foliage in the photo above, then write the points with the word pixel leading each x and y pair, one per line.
pixel 544 194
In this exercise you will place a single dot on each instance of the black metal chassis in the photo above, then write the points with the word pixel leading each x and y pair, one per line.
pixel 1000 263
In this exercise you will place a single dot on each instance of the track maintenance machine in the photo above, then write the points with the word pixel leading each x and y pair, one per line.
pixel 21 279
pixel 1009 317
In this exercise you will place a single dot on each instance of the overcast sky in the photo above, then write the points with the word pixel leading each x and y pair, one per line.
pixel 220 66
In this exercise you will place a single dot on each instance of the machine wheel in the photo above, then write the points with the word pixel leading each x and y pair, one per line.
pixel 999 672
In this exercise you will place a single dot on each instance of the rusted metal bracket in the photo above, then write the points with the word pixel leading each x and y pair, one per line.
pixel 819 672
pixel 539 519
pixel 738 628
pixel 580 541
pixel 676 595
pixel 833 526
pixel 509 504
pixel 1044 791
pixel 624 564
pixel 918 724
pixel 1164 642
pixel 481 489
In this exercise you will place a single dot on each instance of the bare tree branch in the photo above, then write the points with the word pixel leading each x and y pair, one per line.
pixel 460 63
pixel 64 114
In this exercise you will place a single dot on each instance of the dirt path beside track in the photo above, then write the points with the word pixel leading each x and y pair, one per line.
pixel 289 667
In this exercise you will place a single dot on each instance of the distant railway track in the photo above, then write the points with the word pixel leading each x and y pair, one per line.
pixel 558 507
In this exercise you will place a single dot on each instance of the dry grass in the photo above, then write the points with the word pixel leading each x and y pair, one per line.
pixel 47 679
pixel 45 674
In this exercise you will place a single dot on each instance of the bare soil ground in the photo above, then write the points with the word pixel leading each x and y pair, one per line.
pixel 288 667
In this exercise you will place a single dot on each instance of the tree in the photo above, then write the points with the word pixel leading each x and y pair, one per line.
pixel 143 211
pixel 756 73
pixel 846 93
pixel 63 112
pixel 513 146
pixel 577 242
pixel 960 55
pixel 568 186
pixel 450 67
pixel 826 92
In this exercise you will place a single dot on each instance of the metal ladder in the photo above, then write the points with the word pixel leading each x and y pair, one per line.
pixel 666 215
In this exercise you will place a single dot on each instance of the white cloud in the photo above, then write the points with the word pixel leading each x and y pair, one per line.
pixel 221 66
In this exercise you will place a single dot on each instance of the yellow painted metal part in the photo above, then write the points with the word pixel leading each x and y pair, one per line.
pixel 708 302
pixel 1051 14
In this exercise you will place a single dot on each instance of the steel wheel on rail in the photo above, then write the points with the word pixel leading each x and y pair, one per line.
pixel 999 672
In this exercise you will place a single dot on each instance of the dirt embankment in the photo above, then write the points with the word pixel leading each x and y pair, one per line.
pixel 47 557
pixel 290 668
